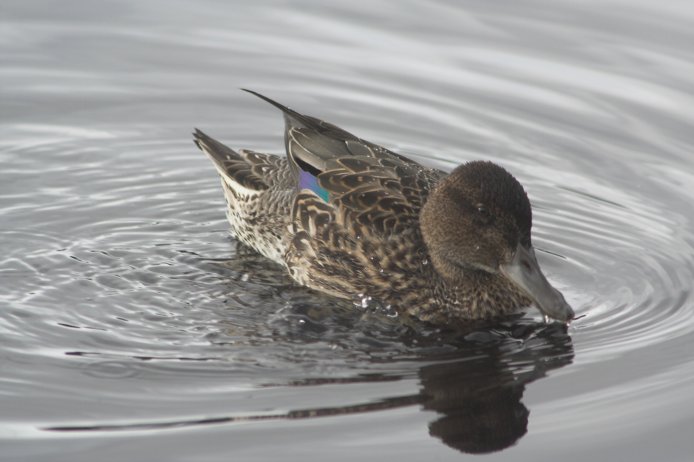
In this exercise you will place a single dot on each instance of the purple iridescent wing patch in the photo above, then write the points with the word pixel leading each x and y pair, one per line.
pixel 309 181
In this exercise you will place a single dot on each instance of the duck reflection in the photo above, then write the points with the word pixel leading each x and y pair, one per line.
pixel 476 391
pixel 476 415
pixel 479 400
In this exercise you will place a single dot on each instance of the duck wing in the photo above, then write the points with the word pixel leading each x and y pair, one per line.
pixel 370 189
pixel 313 142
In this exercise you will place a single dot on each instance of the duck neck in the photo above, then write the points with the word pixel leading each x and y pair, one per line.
pixel 482 294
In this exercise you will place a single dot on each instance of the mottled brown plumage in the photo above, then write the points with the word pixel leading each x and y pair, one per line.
pixel 353 219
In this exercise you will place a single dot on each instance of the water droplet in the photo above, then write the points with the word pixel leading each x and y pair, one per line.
pixel 546 318
pixel 390 311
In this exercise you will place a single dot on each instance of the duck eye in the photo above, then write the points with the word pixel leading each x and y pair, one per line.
pixel 483 214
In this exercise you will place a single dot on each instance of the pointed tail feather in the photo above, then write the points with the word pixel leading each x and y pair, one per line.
pixel 237 173
pixel 213 148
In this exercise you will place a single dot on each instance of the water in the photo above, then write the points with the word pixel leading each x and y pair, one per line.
pixel 133 327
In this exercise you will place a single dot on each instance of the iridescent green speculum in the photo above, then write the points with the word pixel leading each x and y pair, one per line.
pixel 309 181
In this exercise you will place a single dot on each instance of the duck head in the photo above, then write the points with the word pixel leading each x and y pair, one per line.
pixel 479 219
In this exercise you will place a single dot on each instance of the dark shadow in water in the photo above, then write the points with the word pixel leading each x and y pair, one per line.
pixel 477 392
pixel 479 401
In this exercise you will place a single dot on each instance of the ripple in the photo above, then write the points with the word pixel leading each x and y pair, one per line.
pixel 111 369
pixel 633 266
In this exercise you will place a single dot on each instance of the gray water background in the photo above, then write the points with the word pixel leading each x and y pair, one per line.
pixel 132 327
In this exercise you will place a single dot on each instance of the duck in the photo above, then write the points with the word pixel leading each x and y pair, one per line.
pixel 357 221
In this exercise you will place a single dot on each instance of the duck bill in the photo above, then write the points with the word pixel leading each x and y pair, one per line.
pixel 524 271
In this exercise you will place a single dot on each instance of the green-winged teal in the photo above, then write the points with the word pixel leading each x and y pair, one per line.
pixel 353 219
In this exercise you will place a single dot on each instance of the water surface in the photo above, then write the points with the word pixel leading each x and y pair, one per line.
pixel 133 326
